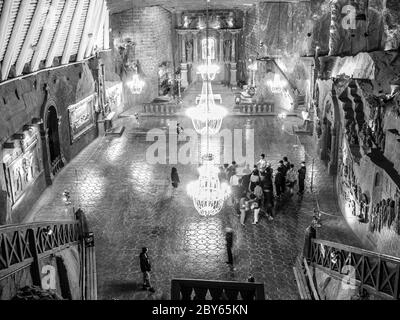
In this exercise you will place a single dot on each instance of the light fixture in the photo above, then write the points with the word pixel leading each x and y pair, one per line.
pixel 207 192
pixel 135 84
pixel 207 117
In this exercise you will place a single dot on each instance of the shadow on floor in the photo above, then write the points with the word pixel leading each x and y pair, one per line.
pixel 131 290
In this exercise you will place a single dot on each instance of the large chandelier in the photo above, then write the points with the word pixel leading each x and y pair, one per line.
pixel 207 192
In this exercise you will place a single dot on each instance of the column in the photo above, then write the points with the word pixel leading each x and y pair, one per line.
pixel 195 47
pixel 221 46
pixel 183 47
pixel 233 77
pixel 184 68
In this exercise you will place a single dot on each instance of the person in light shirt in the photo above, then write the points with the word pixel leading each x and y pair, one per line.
pixel 234 182
pixel 262 163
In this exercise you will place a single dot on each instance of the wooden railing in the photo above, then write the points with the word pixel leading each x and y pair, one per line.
pixel 189 289
pixel 377 272
pixel 23 245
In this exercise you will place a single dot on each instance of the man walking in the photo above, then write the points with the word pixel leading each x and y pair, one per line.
pixel 229 245
pixel 302 177
pixel 145 266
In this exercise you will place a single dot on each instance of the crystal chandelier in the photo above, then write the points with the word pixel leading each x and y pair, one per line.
pixel 207 192
pixel 207 115
pixel 136 84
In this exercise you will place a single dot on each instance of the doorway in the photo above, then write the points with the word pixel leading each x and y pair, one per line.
pixel 54 141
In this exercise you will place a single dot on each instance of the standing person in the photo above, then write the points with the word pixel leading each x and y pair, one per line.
pixel 262 163
pixel 179 129
pixel 175 178
pixel 284 172
pixel 229 245
pixel 302 177
pixel 286 163
pixel 254 180
pixel 291 179
pixel 256 207
pixel 279 180
pixel 145 266
pixel 269 203
pixel 235 187
pixel 244 208
pixel 231 170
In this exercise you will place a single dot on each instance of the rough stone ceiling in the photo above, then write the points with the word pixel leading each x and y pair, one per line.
pixel 174 5
pixel 34 33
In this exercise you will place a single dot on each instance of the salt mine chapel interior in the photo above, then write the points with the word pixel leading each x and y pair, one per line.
pixel 208 150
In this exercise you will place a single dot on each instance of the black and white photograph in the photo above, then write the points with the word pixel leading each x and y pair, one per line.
pixel 215 154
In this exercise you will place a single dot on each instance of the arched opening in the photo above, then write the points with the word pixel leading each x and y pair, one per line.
pixel 53 140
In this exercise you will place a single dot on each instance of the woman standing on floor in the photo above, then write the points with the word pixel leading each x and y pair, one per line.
pixel 175 179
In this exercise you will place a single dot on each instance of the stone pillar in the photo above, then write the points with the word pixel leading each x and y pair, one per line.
pixel 184 75
pixel 221 46
pixel 195 47
pixel 183 48
pixel 233 78
pixel 233 47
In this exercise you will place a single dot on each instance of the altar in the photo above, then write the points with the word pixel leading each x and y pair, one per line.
pixel 223 32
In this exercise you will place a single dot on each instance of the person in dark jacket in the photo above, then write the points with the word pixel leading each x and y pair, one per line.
pixel 302 177
pixel 229 245
pixel 279 181
pixel 145 267
pixel 175 178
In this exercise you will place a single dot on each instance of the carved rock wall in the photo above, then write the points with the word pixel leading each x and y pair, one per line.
pixel 22 100
pixel 150 29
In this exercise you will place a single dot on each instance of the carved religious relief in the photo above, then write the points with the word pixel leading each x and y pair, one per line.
pixel 384 215
pixel 189 50
pixel 22 164
pixel 128 57
pixel 230 21
pixel 186 21
pixel 373 135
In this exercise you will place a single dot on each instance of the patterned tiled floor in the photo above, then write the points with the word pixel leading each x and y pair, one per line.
pixel 129 204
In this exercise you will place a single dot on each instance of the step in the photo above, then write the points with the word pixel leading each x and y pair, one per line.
pixel 116 131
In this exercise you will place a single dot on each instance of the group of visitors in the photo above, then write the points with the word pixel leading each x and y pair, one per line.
pixel 257 191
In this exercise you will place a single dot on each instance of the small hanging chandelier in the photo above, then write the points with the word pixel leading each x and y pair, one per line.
pixel 135 84
pixel 207 192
